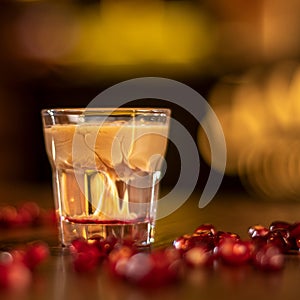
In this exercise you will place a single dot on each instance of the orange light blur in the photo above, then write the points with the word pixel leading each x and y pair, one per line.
pixel 261 123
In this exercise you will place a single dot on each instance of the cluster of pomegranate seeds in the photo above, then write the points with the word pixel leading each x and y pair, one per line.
pixel 17 266
pixel 264 249
pixel 281 234
pixel 88 254
pixel 124 260
pixel 27 214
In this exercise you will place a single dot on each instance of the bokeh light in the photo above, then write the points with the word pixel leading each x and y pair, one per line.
pixel 260 114
pixel 115 33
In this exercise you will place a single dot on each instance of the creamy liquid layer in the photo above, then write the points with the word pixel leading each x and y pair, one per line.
pixel 91 146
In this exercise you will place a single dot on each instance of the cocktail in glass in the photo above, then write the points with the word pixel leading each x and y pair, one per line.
pixel 107 164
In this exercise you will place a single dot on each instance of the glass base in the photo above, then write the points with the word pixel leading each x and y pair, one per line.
pixel 142 233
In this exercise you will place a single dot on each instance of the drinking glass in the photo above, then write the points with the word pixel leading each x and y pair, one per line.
pixel 106 166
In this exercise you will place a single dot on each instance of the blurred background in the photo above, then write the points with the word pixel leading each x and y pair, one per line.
pixel 243 58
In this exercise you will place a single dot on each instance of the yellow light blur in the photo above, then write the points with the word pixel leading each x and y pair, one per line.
pixel 116 33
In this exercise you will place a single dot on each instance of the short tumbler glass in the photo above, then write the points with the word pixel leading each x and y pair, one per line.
pixel 106 164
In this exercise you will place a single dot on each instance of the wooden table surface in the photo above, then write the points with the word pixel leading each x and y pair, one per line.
pixel 228 212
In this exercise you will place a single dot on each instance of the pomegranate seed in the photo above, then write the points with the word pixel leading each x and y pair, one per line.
pixel 205 241
pixel 294 233
pixel 279 225
pixel 153 269
pixel 14 276
pixel 137 268
pixel 183 243
pixel 295 230
pixel 8 216
pixel 257 230
pixel 167 260
pixel 234 252
pixel 107 245
pixel 29 213
pixel 280 238
pixel 259 241
pixel 87 254
pixel 79 245
pixel 198 256
pixel 171 254
pixel 206 229
pixel 35 254
pixel 164 269
pixel 297 240
pixel 120 253
pixel 269 258
pixel 118 258
pixel 31 207
pixel 222 236
pixel 18 255
pixel 86 261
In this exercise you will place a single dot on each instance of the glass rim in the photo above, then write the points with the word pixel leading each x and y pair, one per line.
pixel 105 110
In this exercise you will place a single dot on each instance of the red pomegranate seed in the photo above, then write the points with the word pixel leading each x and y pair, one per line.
pixel 198 256
pixel 35 254
pixel 259 241
pixel 234 252
pixel 297 241
pixel 29 213
pixel 164 272
pixel 79 245
pixel 222 236
pixel 108 244
pixel 120 253
pixel 279 225
pixel 14 276
pixel 280 238
pixel 153 269
pixel 31 207
pixel 206 229
pixel 295 230
pixel 87 260
pixel 269 258
pixel 137 268
pixel 18 255
pixel 205 241
pixel 166 267
pixel 118 258
pixel 8 216
pixel 183 243
pixel 257 230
